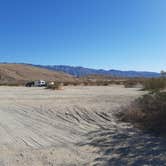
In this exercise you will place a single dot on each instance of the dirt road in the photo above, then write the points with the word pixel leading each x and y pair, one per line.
pixel 75 126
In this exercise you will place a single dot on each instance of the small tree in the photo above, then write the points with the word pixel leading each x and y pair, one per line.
pixel 163 73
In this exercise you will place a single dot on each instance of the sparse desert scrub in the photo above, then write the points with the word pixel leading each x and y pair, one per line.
pixel 130 83
pixel 12 83
pixel 103 83
pixel 85 83
pixel 154 84
pixel 72 83
pixel 67 83
pixel 147 112
pixel 133 82
pixel 55 86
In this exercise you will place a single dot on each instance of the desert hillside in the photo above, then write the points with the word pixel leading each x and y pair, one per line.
pixel 11 73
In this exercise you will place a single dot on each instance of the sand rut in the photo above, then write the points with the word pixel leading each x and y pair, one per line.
pixel 43 127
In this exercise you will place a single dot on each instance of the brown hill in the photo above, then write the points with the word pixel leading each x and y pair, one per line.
pixel 14 73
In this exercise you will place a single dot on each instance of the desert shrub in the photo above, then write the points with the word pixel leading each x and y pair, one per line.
pixel 55 86
pixel 105 83
pixel 118 82
pixel 101 83
pixel 72 83
pixel 133 82
pixel 85 83
pixel 147 112
pixel 154 84
pixel 75 83
pixel 67 83
pixel 130 84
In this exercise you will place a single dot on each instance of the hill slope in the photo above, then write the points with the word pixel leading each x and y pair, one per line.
pixel 81 71
pixel 21 72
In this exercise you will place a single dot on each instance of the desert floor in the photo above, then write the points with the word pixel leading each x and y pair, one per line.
pixel 74 126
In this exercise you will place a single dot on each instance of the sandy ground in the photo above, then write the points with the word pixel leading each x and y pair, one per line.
pixel 75 126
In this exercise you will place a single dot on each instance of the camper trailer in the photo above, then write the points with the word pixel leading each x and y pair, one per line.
pixel 39 83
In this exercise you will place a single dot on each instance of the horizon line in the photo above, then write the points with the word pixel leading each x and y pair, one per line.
pixel 79 67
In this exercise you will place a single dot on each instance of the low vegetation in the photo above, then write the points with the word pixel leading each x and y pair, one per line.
pixel 149 111
pixel 55 86
pixel 154 84
pixel 12 83
pixel 131 83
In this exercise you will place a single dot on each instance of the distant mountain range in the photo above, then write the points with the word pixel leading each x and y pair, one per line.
pixel 81 71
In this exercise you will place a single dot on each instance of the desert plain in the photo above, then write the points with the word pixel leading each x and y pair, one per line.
pixel 70 127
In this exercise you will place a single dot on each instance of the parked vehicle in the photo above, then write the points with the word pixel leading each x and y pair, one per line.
pixel 30 84
pixel 37 83
pixel 40 83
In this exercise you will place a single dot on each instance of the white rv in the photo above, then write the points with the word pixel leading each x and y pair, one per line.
pixel 39 83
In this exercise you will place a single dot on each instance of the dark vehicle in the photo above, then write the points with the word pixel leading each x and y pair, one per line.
pixel 30 84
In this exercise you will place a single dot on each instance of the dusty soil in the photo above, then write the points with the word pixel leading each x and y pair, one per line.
pixel 75 126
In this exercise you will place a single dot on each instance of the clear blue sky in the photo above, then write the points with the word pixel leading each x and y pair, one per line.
pixel 119 34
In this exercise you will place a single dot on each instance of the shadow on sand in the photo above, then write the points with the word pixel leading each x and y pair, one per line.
pixel 121 147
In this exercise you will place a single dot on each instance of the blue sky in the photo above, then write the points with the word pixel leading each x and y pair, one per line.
pixel 109 34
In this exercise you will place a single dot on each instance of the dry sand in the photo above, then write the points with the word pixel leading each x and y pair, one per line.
pixel 75 126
